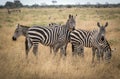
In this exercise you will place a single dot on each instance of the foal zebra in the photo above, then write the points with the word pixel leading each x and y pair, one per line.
pixel 95 38
pixel 106 53
pixel 106 50
pixel 56 37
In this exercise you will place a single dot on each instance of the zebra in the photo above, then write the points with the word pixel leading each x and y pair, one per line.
pixel 53 25
pixel 21 30
pixel 85 38
pixel 107 51
pixel 56 37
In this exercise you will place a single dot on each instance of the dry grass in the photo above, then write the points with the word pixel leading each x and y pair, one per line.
pixel 13 64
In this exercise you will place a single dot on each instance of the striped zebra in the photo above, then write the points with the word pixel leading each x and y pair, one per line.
pixel 94 38
pixel 56 37
pixel 21 30
pixel 53 25
pixel 106 51
pixel 105 54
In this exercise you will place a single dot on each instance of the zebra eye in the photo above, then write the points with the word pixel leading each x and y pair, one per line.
pixel 17 31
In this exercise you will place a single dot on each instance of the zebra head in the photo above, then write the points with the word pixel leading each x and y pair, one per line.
pixel 102 31
pixel 71 23
pixel 18 32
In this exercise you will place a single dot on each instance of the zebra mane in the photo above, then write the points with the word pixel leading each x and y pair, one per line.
pixel 95 30
pixel 24 26
pixel 108 45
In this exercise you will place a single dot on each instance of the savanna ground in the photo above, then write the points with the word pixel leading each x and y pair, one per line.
pixel 13 64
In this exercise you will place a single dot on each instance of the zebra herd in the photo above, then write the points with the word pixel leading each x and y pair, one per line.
pixel 58 36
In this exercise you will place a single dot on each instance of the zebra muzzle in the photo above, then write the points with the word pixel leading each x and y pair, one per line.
pixel 14 39
pixel 102 38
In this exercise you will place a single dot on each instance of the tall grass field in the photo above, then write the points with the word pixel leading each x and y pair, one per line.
pixel 14 65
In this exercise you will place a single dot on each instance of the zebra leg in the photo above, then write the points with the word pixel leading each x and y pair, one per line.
pixel 73 50
pixel 102 55
pixel 63 50
pixel 93 54
pixel 35 49
pixel 55 49
pixel 80 50
pixel 28 45
pixel 50 49
pixel 57 46
pixel 98 55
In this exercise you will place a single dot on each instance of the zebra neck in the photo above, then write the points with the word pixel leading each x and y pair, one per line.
pixel 66 26
pixel 24 31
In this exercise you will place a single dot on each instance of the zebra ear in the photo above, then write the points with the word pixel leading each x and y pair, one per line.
pixel 106 24
pixel 49 24
pixel 75 16
pixel 18 25
pixel 98 24
pixel 70 15
pixel 52 23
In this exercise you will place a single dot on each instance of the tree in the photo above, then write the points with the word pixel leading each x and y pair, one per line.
pixel 98 5
pixel 35 5
pixel 9 4
pixel 54 2
pixel 106 4
pixel 88 3
pixel 43 4
pixel 17 3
